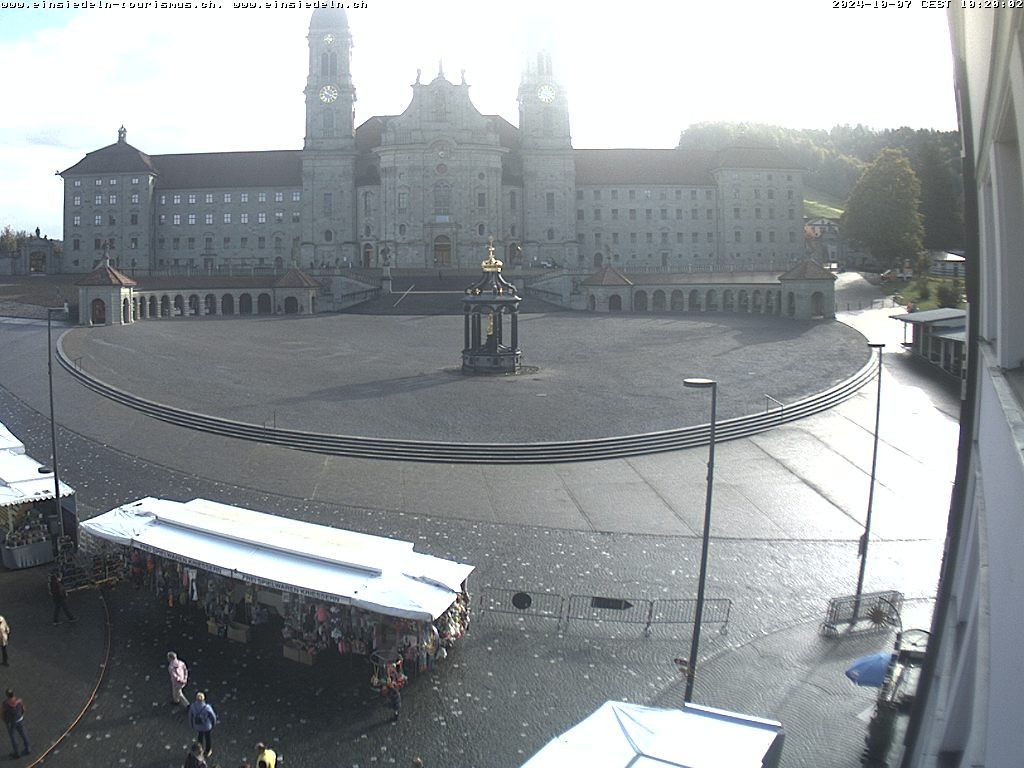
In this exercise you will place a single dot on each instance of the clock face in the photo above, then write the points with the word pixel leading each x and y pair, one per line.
pixel 546 93
pixel 328 94
pixel 329 38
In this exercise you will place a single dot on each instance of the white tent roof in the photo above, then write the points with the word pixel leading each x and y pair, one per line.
pixel 623 734
pixel 21 481
pixel 370 572
pixel 8 442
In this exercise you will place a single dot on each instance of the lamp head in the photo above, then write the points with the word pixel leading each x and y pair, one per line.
pixel 699 383
pixel 876 344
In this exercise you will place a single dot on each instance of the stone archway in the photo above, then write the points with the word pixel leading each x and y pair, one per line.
pixel 591 303
pixel 711 301
pixel 193 305
pixel 263 304
pixel 598 260
pixel 98 312
pixel 615 303
pixel 694 303
pixel 291 305
pixel 790 304
pixel 367 257
pixel 676 301
pixel 211 304
pixel 126 311
pixel 658 301
pixel 640 301
pixel 817 304
pixel 442 251
pixel 728 303
pixel 227 304
pixel 165 306
pixel 245 304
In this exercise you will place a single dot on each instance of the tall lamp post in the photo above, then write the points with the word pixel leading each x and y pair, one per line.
pixel 863 548
pixel 702 578
pixel 53 422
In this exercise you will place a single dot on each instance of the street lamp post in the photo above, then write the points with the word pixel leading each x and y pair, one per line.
pixel 53 423
pixel 702 578
pixel 863 549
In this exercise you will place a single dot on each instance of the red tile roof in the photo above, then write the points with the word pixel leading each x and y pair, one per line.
pixel 808 270
pixel 296 278
pixel 106 275
pixel 608 276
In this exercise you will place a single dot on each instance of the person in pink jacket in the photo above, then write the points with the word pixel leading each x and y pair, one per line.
pixel 179 676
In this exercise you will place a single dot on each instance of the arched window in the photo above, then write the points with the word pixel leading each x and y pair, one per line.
pixel 551 234
pixel 442 199
pixel 401 230
pixel 329 124
pixel 328 235
pixel 333 66
pixel 324 63
pixel 480 229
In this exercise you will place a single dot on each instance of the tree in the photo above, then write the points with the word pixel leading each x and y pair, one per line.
pixel 8 238
pixel 882 212
pixel 940 210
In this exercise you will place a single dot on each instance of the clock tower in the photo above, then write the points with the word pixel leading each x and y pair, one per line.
pixel 549 170
pixel 329 151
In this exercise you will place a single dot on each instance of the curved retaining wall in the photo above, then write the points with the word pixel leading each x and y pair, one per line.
pixel 481 453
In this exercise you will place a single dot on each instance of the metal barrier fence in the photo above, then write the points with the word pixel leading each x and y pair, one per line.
pixel 542 605
pixel 603 609
pixel 877 609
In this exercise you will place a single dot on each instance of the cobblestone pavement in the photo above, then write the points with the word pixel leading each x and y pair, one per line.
pixel 788 510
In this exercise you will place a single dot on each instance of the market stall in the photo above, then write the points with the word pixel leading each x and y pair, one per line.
pixel 29 517
pixel 333 590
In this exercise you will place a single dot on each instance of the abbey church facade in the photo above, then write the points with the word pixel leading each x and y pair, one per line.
pixel 427 188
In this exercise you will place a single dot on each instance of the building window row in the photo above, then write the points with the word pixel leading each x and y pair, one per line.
pixel 644 194
pixel 226 197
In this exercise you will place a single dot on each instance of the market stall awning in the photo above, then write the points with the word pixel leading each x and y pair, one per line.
pixel 21 481
pixel 8 442
pixel 620 734
pixel 370 572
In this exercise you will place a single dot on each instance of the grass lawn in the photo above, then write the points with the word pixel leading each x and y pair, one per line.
pixel 922 292
pixel 821 204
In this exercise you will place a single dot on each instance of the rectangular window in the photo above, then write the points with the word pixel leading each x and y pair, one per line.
pixel 162 218
pixel 296 197
pixel 177 218
pixel 209 198
pixel 664 214
pixel 679 237
pixel 597 238
pixel 261 197
pixel 649 237
pixel 160 242
pixel 76 244
pixel 113 182
pixel 77 200
pixel 597 194
pixel 209 243
pixel 76 220
pixel 694 213
pixel 176 199
pixel 279 197
pixel 176 243
pixel 262 242
pixel 134 243
pixel 243 242
pixel 711 237
pixel 693 238
pixel 97 220
pixel 112 200
pixel 328 203
pixel 792 213
pixel 648 214
pixel 481 199
pixel 679 194
pixel 135 219
pixel 632 194
pixel 757 213
pixel 261 217
pixel 549 202
pixel 632 214
pixel 208 218
pixel 278 216
pixel 737 236
pixel 710 214
pixel 735 213
pixel 664 238
pixel 615 214
pixel 615 236
pixel 135 198
pixel 403 202
pixel 227 218
pixel 192 218
pixel 97 244
pixel 579 214
pixel 771 213
pixel 191 243
pixel 792 237
pixel 615 194
pixel 227 197
pixel 789 194
pixel 771 236
pixel 163 199
pixel 244 218
pixel 192 198
pixel 771 194
pixel 632 238
pixel 243 197
pixel 227 242
pixel 99 182
pixel 579 194
pixel 295 217
pixel 757 236
pixel 757 194
pixel 97 200
pixel 679 214
pixel 597 214
pixel 78 182
pixel 135 179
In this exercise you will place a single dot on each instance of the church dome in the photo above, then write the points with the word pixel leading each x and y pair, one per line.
pixel 328 18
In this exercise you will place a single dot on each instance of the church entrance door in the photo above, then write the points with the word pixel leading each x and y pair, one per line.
pixel 443 251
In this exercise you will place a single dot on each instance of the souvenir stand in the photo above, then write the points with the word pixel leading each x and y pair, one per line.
pixel 335 590
pixel 29 523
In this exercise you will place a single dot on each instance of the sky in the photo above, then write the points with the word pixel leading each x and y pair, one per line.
pixel 636 73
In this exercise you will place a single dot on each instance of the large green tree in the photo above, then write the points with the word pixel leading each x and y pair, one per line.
pixel 882 212
pixel 941 211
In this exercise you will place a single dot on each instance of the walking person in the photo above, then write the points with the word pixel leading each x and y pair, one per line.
pixel 195 757
pixel 394 700
pixel 265 756
pixel 59 596
pixel 179 677
pixel 14 718
pixel 5 632
pixel 202 718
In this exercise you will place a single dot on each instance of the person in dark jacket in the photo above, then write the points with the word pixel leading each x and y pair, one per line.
pixel 59 596
pixel 195 757
pixel 202 718
pixel 14 719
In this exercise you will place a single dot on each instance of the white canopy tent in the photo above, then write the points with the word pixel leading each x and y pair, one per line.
pixel 21 481
pixel 622 734
pixel 369 572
